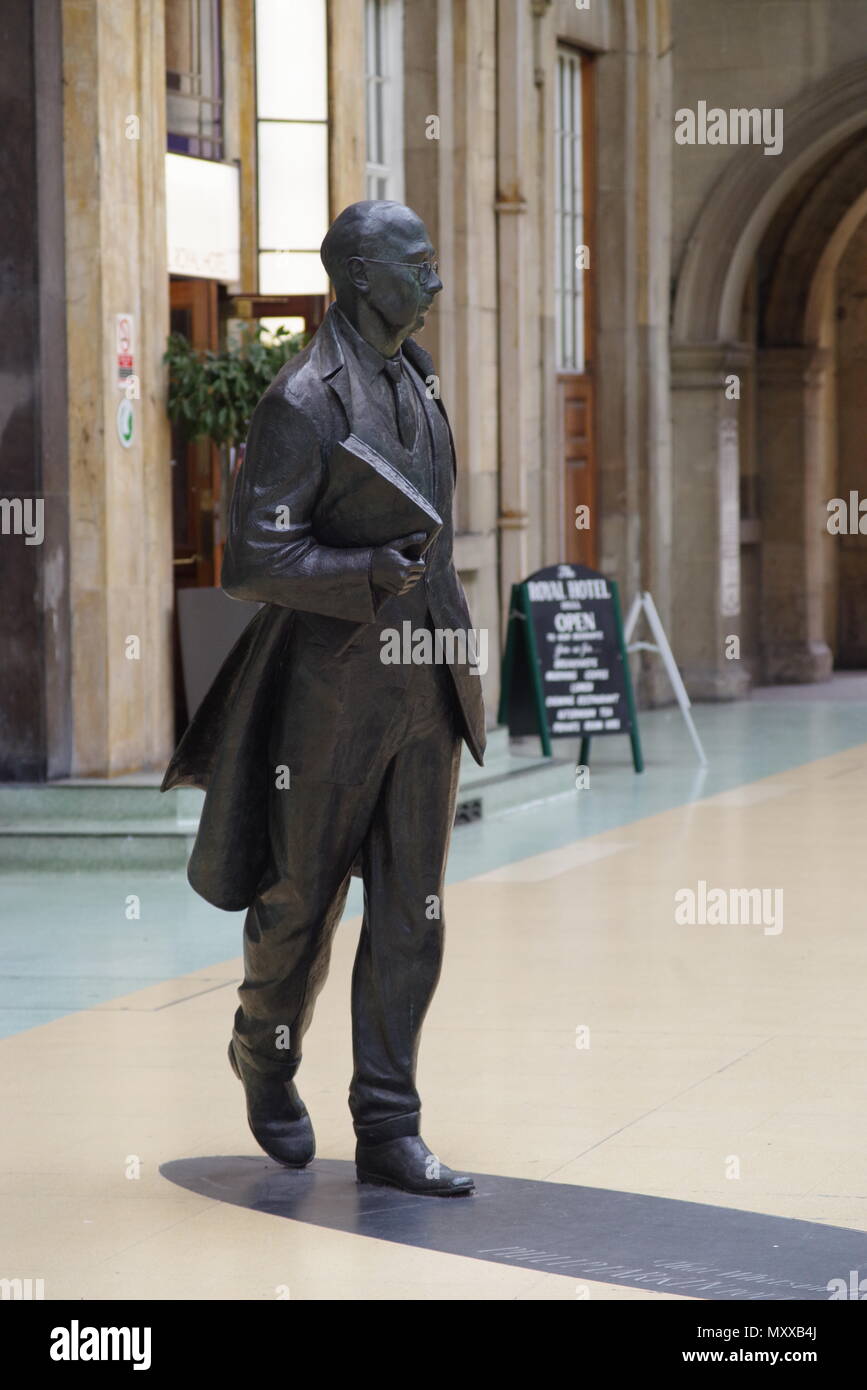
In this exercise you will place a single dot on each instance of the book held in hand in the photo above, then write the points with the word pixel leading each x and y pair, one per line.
pixel 367 501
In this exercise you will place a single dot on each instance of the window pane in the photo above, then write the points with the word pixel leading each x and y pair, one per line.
pixel 383 65
pixel 194 77
pixel 292 272
pixel 569 214
pixel 374 13
pixel 291 60
pixel 376 154
pixel 293 186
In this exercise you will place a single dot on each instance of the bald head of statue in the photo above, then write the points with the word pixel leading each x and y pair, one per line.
pixel 380 259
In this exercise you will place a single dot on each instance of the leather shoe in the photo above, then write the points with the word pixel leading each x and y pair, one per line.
pixel 409 1165
pixel 277 1116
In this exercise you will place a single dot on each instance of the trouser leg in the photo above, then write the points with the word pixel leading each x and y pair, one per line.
pixel 400 949
pixel 316 830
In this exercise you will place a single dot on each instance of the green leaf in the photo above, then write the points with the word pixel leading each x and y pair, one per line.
pixel 214 393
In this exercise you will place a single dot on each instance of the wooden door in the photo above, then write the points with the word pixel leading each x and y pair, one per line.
pixel 195 475
pixel 575 412
pixel 196 465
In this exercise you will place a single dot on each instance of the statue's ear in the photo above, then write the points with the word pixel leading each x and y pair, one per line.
pixel 357 274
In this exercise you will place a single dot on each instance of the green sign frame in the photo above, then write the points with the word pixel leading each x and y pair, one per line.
pixel 522 651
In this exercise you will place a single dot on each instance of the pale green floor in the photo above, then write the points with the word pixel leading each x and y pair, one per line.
pixel 66 943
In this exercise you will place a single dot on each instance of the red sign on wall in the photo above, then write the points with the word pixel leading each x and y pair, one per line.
pixel 124 348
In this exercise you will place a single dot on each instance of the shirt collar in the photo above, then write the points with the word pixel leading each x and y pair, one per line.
pixel 369 360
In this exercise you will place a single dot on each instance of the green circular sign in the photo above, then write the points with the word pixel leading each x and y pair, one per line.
pixel 125 423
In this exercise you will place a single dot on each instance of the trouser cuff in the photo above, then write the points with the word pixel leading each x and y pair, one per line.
pixel 400 1127
pixel 264 1066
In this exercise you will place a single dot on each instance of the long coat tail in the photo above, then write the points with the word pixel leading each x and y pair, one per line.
pixel 224 751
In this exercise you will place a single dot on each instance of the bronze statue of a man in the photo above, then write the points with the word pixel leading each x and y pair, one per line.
pixel 370 749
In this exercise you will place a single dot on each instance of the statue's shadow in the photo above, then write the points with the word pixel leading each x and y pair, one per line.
pixel 587 1233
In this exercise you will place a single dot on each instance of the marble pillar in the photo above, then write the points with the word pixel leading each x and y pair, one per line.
pixel 791 441
pixel 706 596
pixel 120 497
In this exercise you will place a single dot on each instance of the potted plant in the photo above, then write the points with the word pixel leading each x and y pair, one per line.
pixel 214 394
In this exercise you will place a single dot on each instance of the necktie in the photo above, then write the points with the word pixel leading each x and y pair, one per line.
pixel 404 402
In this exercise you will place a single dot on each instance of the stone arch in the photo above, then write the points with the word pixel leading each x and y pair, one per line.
pixel 720 249
pixel 801 209
pixel 810 248
pixel 796 415
pixel 815 317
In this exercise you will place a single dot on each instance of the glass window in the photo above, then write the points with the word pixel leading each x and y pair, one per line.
pixel 293 185
pixel 292 127
pixel 194 79
pixel 383 71
pixel 569 214
pixel 291 60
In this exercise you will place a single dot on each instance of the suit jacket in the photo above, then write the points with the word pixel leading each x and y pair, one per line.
pixel 316 640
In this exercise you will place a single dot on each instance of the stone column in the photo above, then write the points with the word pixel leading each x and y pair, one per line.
pixel 791 443
pixel 633 236
pixel 511 208
pixel 706 596
pixel 466 311
pixel 239 125
pixel 35 725
pixel 120 498
pixel 655 490
pixel 619 208
pixel 346 121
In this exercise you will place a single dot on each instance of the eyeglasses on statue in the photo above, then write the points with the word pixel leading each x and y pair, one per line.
pixel 423 268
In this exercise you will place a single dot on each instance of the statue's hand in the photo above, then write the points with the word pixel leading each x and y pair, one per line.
pixel 392 571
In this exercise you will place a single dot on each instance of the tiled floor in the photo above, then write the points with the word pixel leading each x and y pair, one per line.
pixel 580 1036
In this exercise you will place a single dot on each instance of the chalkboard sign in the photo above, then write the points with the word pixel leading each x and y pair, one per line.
pixel 565 669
